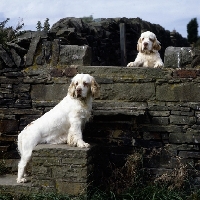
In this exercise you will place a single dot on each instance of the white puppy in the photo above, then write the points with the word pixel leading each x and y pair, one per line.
pixel 148 55
pixel 62 124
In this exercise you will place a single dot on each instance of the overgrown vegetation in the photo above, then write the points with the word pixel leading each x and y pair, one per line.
pixel 129 183
pixel 9 33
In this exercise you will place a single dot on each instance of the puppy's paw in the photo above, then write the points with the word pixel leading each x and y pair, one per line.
pixel 21 180
pixel 159 65
pixel 131 64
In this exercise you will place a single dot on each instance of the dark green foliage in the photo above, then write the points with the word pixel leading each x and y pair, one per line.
pixel 39 26
pixel 137 192
pixel 9 33
pixel 192 30
pixel 46 25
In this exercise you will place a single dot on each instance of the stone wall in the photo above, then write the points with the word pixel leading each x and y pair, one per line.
pixel 101 41
pixel 138 108
pixel 157 110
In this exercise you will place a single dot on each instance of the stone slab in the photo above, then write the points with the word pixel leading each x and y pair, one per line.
pixel 177 57
pixel 75 55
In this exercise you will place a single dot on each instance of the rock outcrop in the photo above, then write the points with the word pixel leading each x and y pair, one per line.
pixel 101 36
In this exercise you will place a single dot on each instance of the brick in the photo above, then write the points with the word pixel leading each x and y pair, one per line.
pixel 185 73
pixel 187 91
pixel 70 72
pixel 159 113
pixel 181 120
pixel 160 120
pixel 189 154
pixel 7 126
pixel 41 92
pixel 70 188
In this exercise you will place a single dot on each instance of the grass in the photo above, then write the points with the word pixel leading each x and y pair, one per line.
pixel 147 192
pixel 129 183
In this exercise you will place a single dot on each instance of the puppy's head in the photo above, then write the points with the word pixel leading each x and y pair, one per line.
pixel 148 43
pixel 82 86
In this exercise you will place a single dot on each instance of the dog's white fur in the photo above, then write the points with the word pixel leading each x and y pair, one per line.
pixel 148 55
pixel 62 124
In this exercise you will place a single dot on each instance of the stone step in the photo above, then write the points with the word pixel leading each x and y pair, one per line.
pixel 8 184
pixel 55 169
pixel 60 168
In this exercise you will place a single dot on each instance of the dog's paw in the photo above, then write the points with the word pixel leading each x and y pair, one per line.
pixel 82 144
pixel 159 65
pixel 131 64
pixel 21 180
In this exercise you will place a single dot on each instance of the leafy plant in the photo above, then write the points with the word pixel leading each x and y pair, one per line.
pixel 9 33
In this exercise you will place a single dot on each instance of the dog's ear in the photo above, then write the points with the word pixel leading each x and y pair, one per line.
pixel 95 88
pixel 156 45
pixel 139 45
pixel 71 89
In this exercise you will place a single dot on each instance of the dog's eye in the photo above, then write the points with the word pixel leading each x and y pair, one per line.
pixel 85 84
pixel 142 39
pixel 76 83
pixel 151 39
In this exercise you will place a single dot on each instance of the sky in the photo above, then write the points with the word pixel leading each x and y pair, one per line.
pixel 170 14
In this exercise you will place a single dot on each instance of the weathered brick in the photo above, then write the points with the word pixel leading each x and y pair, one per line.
pixel 160 120
pixel 181 120
pixel 70 188
pixel 49 92
pixel 187 91
pixel 159 113
pixel 185 73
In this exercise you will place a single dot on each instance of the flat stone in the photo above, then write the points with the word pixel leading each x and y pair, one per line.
pixel 5 57
pixel 177 57
pixel 186 92
pixel 31 52
pixel 75 55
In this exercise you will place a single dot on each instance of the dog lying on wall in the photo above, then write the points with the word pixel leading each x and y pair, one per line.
pixel 62 124
pixel 148 56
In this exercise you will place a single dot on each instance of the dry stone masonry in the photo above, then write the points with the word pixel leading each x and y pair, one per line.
pixel 152 109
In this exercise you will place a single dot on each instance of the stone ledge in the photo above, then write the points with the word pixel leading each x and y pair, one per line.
pixel 60 168
pixel 8 184
pixel 116 108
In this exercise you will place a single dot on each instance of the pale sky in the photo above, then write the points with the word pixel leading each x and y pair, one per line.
pixel 170 14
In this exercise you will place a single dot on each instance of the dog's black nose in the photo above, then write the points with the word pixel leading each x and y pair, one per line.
pixel 78 90
pixel 145 43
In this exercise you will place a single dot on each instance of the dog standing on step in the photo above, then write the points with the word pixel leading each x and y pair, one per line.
pixel 62 124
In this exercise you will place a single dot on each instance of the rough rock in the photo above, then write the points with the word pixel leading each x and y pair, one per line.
pixel 5 57
pixel 178 57
pixel 75 55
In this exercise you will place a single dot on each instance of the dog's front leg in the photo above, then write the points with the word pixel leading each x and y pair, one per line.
pixel 75 135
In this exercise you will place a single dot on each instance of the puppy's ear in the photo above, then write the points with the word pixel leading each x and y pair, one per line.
pixel 71 89
pixel 95 88
pixel 156 45
pixel 139 45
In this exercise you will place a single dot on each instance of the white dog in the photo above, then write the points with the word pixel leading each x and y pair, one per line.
pixel 62 124
pixel 148 55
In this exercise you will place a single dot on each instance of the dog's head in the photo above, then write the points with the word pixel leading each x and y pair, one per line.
pixel 148 43
pixel 82 86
